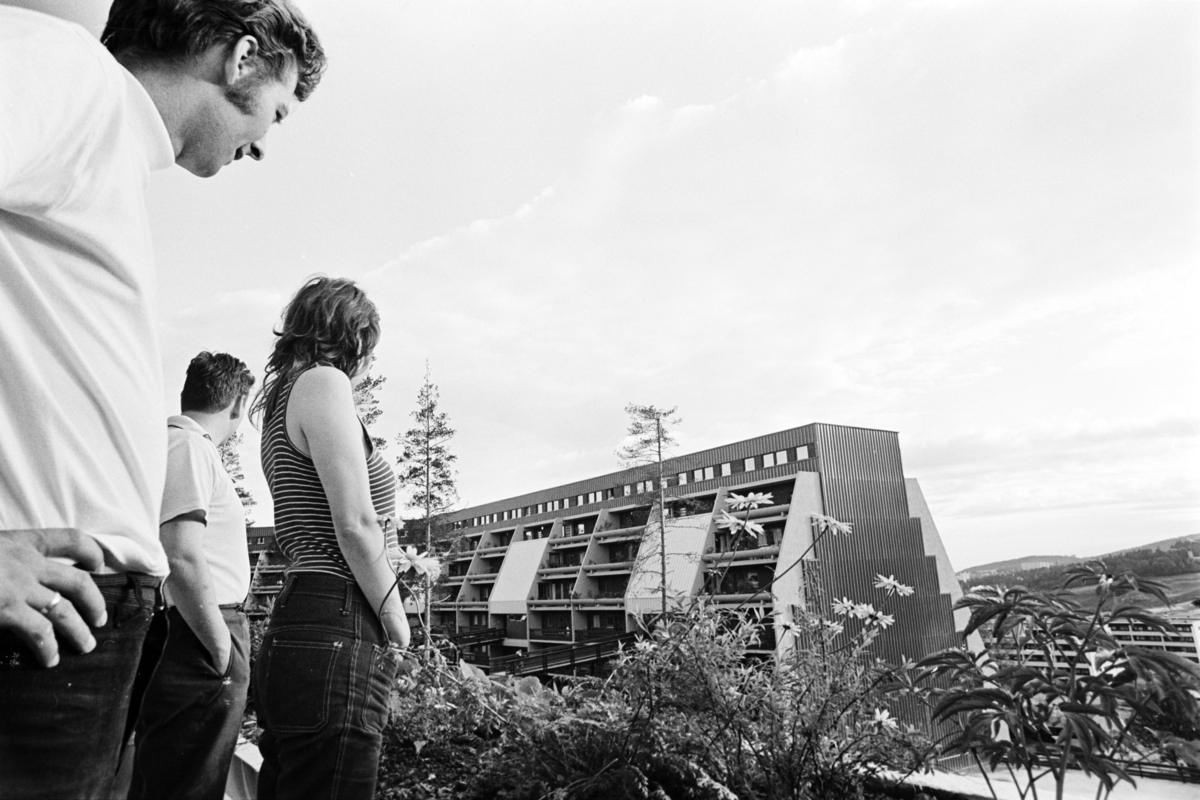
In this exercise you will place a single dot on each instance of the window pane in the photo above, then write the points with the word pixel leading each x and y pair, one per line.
pixel 781 457
pixel 726 469
pixel 768 460
pixel 708 473
pixel 683 479
pixel 750 464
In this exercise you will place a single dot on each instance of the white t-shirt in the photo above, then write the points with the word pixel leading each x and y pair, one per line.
pixel 81 399
pixel 197 481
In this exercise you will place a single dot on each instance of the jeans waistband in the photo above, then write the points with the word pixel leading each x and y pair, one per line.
pixel 130 588
pixel 333 590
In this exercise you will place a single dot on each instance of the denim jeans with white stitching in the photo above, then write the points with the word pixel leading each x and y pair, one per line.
pixel 322 682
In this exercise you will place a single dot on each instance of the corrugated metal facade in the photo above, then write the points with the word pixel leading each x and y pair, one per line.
pixel 862 481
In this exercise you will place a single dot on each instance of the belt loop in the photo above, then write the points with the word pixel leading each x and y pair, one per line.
pixel 281 601
pixel 350 587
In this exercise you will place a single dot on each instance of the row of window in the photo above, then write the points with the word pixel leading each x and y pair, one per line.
pixel 750 464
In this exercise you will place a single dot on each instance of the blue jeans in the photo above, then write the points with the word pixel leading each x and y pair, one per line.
pixel 62 729
pixel 322 683
pixel 191 713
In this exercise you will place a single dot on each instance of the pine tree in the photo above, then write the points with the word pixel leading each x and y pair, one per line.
pixel 367 405
pixel 650 437
pixel 231 459
pixel 427 469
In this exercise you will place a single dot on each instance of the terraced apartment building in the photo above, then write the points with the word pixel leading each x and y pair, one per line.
pixel 538 581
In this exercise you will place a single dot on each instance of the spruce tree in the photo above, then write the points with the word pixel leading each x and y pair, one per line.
pixel 651 437
pixel 367 405
pixel 231 459
pixel 427 470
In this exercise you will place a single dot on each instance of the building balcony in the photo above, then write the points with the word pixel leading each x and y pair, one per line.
pixel 764 514
pixel 550 603
pixel 465 555
pixel 568 542
pixel 483 577
pixel 473 605
pixel 550 634
pixel 454 580
pixel 550 571
pixel 478 659
pixel 762 598
pixel 619 568
pixel 620 534
pixel 496 550
pixel 588 634
pixel 754 555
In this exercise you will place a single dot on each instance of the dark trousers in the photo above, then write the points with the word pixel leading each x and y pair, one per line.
pixel 62 729
pixel 322 683
pixel 191 712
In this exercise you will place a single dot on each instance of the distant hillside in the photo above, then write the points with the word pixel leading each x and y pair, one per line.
pixel 1165 544
pixel 1158 560
pixel 1015 565
pixel 1025 563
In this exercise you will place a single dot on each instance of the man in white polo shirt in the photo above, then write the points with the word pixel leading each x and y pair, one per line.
pixel 82 450
pixel 192 709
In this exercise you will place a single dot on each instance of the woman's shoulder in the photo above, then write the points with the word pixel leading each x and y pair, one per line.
pixel 320 390
pixel 321 379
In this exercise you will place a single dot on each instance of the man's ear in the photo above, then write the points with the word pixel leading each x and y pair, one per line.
pixel 242 60
pixel 235 409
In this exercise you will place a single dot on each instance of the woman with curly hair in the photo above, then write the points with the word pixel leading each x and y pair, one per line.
pixel 332 648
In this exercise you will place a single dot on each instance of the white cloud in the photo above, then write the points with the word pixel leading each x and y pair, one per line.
pixel 971 223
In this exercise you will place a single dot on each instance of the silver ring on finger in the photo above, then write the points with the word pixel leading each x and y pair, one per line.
pixel 46 609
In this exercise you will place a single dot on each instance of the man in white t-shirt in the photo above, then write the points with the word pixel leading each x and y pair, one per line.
pixel 192 709
pixel 82 450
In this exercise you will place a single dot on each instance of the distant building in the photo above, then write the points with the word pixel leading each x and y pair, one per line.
pixel 267 564
pixel 555 570
pixel 1184 640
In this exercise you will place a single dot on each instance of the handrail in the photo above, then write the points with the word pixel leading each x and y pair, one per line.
pixel 486 636
pixel 562 657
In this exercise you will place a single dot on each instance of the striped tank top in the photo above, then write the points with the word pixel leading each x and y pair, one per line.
pixel 303 519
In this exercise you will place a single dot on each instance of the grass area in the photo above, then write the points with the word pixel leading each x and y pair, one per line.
pixel 1180 589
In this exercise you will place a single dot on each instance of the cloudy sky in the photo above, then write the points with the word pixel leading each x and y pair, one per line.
pixel 974 223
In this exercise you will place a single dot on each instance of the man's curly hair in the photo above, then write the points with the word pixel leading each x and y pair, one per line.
pixel 166 30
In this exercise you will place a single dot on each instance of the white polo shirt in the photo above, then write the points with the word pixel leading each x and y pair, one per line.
pixel 197 481
pixel 81 398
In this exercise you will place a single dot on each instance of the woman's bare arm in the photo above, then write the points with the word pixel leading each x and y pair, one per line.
pixel 322 407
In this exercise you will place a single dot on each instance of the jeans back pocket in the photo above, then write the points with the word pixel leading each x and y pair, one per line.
pixel 298 678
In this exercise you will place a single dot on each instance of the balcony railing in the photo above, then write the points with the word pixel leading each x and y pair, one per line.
pixel 591 634
pixel 550 603
pixel 618 534
pixel 615 567
pixel 477 636
pixel 567 542
pixel 552 634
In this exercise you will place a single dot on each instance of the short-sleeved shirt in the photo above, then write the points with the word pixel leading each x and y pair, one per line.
pixel 197 481
pixel 82 443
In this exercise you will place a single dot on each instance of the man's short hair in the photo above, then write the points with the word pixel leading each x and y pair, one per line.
pixel 168 30
pixel 214 381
